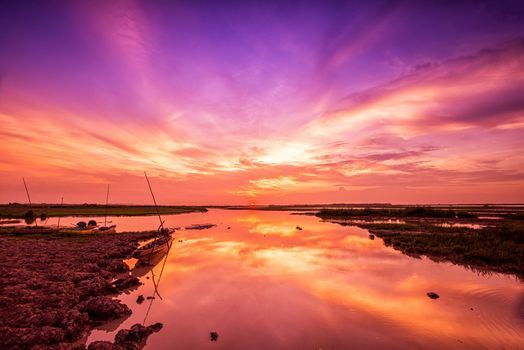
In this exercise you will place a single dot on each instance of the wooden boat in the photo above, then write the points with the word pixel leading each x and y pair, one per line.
pixel 160 244
pixel 76 230
pixel 92 227
pixel 105 229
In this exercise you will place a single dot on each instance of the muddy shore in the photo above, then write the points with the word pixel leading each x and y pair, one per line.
pixel 55 288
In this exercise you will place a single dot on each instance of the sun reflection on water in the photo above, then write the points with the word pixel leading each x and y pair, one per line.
pixel 265 284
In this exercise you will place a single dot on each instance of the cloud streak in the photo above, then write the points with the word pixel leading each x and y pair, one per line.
pixel 226 106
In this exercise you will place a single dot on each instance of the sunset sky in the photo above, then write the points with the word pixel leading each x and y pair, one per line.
pixel 232 102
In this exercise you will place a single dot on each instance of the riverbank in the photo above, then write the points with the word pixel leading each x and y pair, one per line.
pixel 498 248
pixel 479 244
pixel 55 288
pixel 19 211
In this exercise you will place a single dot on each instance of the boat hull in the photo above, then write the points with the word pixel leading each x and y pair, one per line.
pixel 110 229
pixel 146 253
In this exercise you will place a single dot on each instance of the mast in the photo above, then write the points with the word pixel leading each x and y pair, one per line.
pixel 29 198
pixel 107 199
pixel 61 204
pixel 27 192
pixel 154 201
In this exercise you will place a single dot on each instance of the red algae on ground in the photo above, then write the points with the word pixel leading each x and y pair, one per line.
pixel 55 288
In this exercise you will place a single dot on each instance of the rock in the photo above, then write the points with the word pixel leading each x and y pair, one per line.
pixel 126 283
pixel 433 295
pixel 299 228
pixel 100 345
pixel 130 338
pixel 104 308
pixel 156 327
pixel 74 324
pixel 199 226
pixel 55 290
pixel 149 298
pixel 140 299
pixel 214 336
pixel 50 335
pixel 371 236
pixel 60 346
pixel 94 286
pixel 117 267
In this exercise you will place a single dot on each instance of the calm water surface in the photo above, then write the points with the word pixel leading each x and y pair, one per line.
pixel 263 284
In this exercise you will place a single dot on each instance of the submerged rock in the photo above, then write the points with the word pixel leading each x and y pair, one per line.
pixel 199 226
pixel 140 299
pixel 130 338
pixel 433 295
pixel 371 236
pixel 213 335
pixel 299 228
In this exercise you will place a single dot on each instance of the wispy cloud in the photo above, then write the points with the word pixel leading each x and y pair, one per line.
pixel 299 103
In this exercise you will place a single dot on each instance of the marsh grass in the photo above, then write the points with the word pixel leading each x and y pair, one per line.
pixel 515 216
pixel 499 248
pixel 423 228
pixel 419 212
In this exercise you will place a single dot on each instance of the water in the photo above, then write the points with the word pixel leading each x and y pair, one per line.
pixel 130 223
pixel 263 284
pixel 371 221
pixel 457 224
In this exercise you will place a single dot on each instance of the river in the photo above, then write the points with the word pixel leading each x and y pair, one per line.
pixel 262 283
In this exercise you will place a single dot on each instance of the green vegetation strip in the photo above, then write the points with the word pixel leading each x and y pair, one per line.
pixel 494 248
pixel 21 211
pixel 422 228
pixel 420 212
pixel 499 248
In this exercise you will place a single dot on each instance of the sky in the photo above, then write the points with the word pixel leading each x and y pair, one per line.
pixel 269 102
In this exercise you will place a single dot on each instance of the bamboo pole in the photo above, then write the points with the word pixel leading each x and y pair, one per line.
pixel 154 201
pixel 107 199
pixel 61 204
pixel 29 198
pixel 157 284
pixel 27 192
